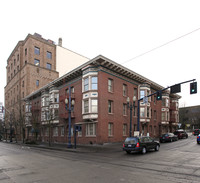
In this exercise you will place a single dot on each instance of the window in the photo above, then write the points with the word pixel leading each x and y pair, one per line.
pixel 22 83
pixel 163 116
pixel 94 105
pixel 18 68
pixel 110 85
pixel 163 102
pixel 72 89
pixel 110 129
pixel 91 129
pixel 26 51
pixel 49 55
pixel 14 62
pixel 167 102
pixel 37 50
pixel 142 93
pixel 47 131
pixel 48 66
pixel 18 57
pixel 110 106
pixel 56 97
pixel 124 109
pixel 135 92
pixel 155 115
pixel 86 84
pixel 86 106
pixel 148 112
pixel 124 90
pixel 56 114
pixel 62 131
pixel 37 82
pixel 124 129
pixel 142 114
pixel 94 83
pixel 80 132
pixel 55 131
pixel 36 62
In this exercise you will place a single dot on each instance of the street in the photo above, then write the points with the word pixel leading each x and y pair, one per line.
pixel 175 162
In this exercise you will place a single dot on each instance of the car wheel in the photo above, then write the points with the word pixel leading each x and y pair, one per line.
pixel 128 152
pixel 157 148
pixel 144 150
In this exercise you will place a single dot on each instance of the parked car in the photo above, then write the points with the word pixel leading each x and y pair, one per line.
pixel 181 134
pixel 198 139
pixel 196 132
pixel 168 137
pixel 140 144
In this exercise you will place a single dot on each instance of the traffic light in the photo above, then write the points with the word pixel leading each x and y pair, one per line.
pixel 159 95
pixel 193 88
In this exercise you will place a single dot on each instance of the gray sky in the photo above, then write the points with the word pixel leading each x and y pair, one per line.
pixel 118 29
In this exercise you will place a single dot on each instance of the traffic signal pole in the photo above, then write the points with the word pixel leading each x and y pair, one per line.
pixel 160 92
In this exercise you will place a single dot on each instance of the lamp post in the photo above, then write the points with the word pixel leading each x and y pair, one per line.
pixel 70 103
pixel 131 105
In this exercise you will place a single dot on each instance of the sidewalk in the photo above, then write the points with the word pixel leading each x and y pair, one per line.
pixel 80 148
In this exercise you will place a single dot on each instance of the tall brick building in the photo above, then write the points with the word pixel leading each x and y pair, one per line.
pixel 99 90
pixel 33 63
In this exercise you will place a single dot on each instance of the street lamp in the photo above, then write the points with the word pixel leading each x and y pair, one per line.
pixel 131 106
pixel 70 103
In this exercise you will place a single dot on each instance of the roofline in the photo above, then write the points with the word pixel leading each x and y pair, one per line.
pixel 100 58
pixel 22 42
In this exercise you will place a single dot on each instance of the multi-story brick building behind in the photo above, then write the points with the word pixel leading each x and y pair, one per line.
pixel 33 63
pixel 99 91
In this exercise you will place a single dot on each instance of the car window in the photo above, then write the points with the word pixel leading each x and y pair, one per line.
pixel 131 141
pixel 151 139
pixel 146 139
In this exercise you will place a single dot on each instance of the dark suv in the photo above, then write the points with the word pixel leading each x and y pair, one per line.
pixel 181 134
pixel 140 144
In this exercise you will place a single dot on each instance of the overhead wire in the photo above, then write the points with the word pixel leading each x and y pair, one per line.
pixel 161 46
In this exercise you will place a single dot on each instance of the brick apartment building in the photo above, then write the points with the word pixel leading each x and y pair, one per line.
pixel 98 90
pixel 33 63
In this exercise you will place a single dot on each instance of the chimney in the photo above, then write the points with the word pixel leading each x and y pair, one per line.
pixel 60 42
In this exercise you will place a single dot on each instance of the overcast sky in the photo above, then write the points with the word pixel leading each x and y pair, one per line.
pixel 159 39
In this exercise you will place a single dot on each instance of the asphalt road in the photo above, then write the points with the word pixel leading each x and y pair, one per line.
pixel 175 162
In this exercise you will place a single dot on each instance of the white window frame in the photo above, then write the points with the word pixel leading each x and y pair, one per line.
pixel 124 129
pixel 110 129
pixel 142 112
pixel 91 129
pixel 94 83
pixel 55 131
pixel 110 85
pixel 94 105
pixel 86 84
pixel 86 107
